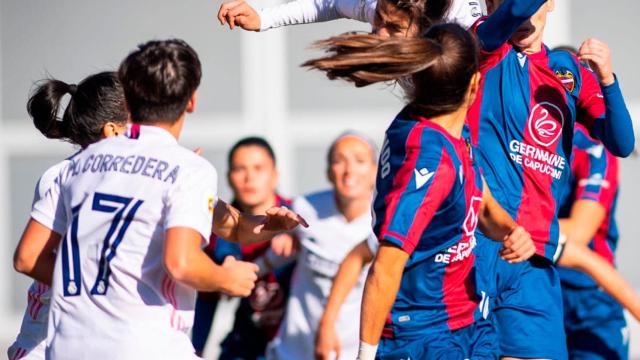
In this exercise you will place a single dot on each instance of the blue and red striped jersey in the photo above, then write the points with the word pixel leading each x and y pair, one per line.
pixel 522 124
pixel 595 178
pixel 428 192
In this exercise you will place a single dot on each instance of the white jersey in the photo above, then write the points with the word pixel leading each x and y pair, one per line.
pixel 324 245
pixel 463 12
pixel 30 342
pixel 112 298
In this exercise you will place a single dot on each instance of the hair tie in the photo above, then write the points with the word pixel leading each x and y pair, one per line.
pixel 72 89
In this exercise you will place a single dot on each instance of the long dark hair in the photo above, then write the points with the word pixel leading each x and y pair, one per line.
pixel 441 64
pixel 95 101
pixel 424 13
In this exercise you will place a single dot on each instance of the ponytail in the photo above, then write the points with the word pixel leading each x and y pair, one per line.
pixel 44 107
pixel 440 64
pixel 96 100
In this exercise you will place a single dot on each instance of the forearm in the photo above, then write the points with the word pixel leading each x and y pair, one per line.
pixel 41 269
pixel 607 277
pixel 379 294
pixel 616 129
pixel 578 235
pixel 500 26
pixel 199 272
pixel 345 280
pixel 494 221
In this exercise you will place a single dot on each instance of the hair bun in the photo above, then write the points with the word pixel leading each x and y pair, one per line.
pixel 72 89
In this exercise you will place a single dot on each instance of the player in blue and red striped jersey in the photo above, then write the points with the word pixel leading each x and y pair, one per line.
pixel 594 321
pixel 253 177
pixel 522 123
pixel 421 288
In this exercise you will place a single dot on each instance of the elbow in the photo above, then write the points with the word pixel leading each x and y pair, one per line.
pixel 177 267
pixel 21 263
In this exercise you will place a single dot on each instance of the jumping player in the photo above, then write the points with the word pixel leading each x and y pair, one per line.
pixel 341 218
pixel 421 287
pixel 253 178
pixel 95 110
pixel 522 123
pixel 387 17
pixel 135 212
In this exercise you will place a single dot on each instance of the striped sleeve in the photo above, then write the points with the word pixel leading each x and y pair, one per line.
pixel 596 175
pixel 420 186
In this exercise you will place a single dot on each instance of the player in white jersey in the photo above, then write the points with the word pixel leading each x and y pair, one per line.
pixel 380 14
pixel 340 219
pixel 95 110
pixel 136 211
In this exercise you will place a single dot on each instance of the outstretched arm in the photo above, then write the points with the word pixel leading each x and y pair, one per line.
pixel 241 13
pixel 327 340
pixel 231 224
pixel 608 278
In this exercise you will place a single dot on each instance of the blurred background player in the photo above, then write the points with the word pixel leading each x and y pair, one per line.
pixel 135 211
pixel 594 321
pixel 429 199
pixel 95 110
pixel 253 178
pixel 341 218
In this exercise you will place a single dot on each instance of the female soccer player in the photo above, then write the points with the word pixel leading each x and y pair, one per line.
pixel 253 178
pixel 341 218
pixel 421 287
pixel 95 110
pixel 387 17
pixel 522 123
pixel 594 321
pixel 136 211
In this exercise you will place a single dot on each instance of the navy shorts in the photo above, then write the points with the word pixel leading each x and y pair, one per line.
pixel 526 303
pixel 595 324
pixel 477 341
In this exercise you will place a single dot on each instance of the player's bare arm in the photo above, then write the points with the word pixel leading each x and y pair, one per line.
pixel 380 291
pixel 496 223
pixel 185 261
pixel 35 254
pixel 235 226
pixel 583 222
pixel 327 340
pixel 597 54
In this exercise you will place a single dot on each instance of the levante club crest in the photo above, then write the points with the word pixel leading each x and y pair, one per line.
pixel 567 79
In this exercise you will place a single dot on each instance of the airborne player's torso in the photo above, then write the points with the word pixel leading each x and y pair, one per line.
pixel 522 123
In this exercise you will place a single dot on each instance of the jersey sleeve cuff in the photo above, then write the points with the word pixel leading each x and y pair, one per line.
pixel 612 89
pixel 398 241
pixel 266 20
pixel 204 230
pixel 47 221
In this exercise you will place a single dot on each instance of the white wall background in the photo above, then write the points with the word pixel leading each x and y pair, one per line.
pixel 251 85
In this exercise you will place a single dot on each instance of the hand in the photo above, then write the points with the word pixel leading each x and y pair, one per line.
pixel 240 277
pixel 240 13
pixel 327 342
pixel 284 245
pixel 597 54
pixel 517 246
pixel 280 219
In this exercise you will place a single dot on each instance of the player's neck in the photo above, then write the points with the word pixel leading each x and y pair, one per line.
pixel 452 122
pixel 352 209
pixel 174 128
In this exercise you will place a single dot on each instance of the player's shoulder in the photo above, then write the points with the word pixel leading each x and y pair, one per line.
pixel 318 204
pixel 49 176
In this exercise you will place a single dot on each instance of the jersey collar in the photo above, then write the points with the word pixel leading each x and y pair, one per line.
pixel 154 133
